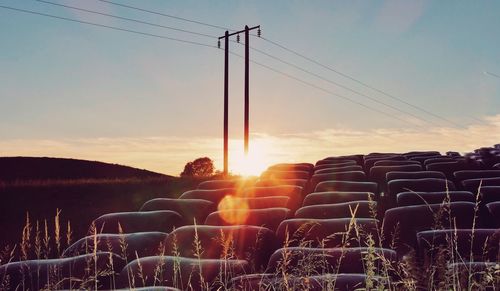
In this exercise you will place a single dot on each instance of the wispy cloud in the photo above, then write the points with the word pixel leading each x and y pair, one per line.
pixel 398 16
pixel 169 154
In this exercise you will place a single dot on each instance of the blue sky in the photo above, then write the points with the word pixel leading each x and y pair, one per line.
pixel 74 90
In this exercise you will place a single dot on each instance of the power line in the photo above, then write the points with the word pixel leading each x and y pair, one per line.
pixel 167 15
pixel 297 67
pixel 310 60
pixel 358 81
pixel 109 27
pixel 205 45
pixel 325 90
pixel 341 86
pixel 255 49
pixel 129 19
pixel 209 46
pixel 492 74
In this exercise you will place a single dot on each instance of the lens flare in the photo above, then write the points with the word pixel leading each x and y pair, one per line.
pixel 233 210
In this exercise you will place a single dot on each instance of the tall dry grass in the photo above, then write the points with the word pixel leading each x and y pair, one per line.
pixel 443 269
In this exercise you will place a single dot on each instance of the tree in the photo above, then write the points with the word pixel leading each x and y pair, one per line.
pixel 201 167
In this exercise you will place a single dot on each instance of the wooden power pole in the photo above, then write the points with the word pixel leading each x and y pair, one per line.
pixel 246 93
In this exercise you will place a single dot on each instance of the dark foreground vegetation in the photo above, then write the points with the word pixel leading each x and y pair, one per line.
pixel 14 169
pixel 80 201
pixel 81 190
pixel 383 221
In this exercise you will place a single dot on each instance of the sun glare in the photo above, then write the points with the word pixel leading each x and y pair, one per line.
pixel 252 164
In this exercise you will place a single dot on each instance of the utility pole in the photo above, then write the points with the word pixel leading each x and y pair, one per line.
pixel 226 103
pixel 247 97
pixel 226 88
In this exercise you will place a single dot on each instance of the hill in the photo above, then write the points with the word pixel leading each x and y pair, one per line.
pixel 41 168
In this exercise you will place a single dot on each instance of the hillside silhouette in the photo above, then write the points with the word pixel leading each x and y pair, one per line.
pixel 41 168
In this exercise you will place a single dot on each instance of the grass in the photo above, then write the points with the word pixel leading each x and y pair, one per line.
pixel 82 200
pixel 42 239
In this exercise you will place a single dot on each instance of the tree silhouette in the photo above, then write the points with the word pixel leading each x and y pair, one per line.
pixel 201 167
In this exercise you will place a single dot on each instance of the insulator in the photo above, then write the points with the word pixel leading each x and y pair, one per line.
pixel 238 38
pixel 218 43
pixel 259 32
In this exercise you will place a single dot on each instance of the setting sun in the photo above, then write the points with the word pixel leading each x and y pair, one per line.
pixel 255 162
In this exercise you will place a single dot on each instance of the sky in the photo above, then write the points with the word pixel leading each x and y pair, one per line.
pixel 428 75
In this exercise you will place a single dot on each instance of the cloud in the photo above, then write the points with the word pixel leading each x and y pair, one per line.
pixel 396 16
pixel 169 154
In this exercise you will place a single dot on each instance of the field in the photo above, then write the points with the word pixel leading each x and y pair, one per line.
pixel 250 234
pixel 79 201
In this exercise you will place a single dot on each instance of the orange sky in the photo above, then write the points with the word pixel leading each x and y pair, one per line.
pixel 169 154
